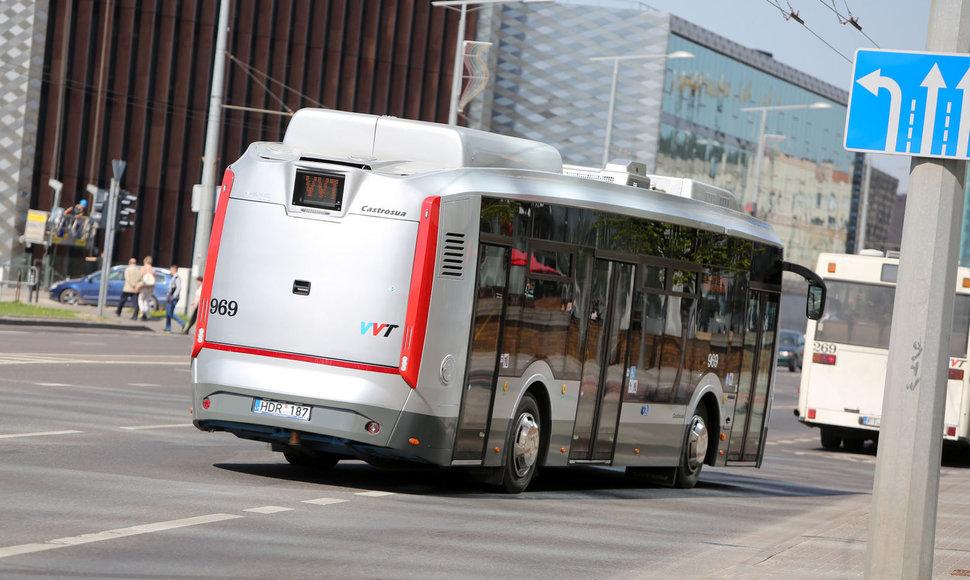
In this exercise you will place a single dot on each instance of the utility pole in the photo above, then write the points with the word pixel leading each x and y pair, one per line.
pixel 864 204
pixel 902 528
pixel 118 169
pixel 205 199
pixel 51 226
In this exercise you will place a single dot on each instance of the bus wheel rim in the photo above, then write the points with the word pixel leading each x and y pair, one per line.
pixel 697 443
pixel 525 448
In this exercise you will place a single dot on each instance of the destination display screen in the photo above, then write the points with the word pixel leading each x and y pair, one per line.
pixel 318 190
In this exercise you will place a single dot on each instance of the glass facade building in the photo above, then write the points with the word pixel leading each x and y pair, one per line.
pixel 682 117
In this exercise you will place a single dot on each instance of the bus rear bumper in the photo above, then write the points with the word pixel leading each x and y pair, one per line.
pixel 352 413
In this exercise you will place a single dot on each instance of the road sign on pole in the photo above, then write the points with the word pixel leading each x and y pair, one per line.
pixel 915 105
pixel 909 103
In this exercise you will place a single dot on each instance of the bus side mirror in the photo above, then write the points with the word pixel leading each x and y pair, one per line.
pixel 815 303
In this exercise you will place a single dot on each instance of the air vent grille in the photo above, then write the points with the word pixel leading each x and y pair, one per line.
pixel 453 255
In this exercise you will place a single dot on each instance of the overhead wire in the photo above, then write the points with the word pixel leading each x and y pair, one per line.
pixel 790 14
pixel 850 19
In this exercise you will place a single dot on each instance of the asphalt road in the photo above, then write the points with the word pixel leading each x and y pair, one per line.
pixel 103 476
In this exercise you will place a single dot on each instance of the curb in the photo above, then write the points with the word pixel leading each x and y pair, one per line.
pixel 40 321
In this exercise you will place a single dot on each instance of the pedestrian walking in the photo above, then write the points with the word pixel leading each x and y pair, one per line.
pixel 172 298
pixel 130 289
pixel 194 306
pixel 146 288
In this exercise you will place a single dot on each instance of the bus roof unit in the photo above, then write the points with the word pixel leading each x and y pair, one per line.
pixel 633 173
pixel 422 146
pixel 696 190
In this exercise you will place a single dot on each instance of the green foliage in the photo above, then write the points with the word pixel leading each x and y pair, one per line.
pixel 16 308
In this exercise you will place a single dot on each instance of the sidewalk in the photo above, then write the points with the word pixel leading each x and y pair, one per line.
pixel 87 316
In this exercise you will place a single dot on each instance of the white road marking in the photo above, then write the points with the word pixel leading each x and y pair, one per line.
pixel 143 385
pixel 170 425
pixel 31 358
pixel 374 493
pixel 52 384
pixel 324 501
pixel 39 434
pixel 268 509
pixel 114 534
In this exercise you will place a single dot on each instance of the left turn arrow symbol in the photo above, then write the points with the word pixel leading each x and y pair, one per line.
pixel 873 82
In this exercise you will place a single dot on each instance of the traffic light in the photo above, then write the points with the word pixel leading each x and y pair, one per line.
pixel 126 213
pixel 100 206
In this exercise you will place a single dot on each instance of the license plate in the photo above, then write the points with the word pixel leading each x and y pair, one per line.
pixel 281 409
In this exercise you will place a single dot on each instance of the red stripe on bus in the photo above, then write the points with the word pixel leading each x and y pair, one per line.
pixel 419 296
pixel 215 236
pixel 301 358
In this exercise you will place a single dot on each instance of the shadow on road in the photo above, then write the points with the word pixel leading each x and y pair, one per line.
pixel 584 482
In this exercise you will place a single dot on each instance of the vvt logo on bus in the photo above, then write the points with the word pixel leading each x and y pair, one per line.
pixel 377 328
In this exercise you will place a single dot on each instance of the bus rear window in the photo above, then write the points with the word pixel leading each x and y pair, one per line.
pixel 857 314
pixel 961 326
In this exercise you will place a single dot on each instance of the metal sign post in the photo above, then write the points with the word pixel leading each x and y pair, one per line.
pixel 918 118
pixel 118 168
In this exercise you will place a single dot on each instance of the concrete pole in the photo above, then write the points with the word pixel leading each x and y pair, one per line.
pixel 902 528
pixel 203 220
pixel 110 215
pixel 758 158
pixel 459 61
pixel 862 222
pixel 609 113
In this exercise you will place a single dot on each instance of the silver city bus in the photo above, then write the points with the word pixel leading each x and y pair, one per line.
pixel 378 288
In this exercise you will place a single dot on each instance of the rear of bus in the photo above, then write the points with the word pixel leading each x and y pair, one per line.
pixel 311 321
pixel 847 351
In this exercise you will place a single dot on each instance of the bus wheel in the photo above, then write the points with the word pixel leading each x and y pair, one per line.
pixel 522 447
pixel 321 461
pixel 830 439
pixel 854 443
pixel 695 449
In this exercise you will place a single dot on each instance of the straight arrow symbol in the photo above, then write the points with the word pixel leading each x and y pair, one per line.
pixel 933 83
pixel 963 135
pixel 874 81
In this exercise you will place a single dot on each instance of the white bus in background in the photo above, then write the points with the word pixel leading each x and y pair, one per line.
pixel 846 352
pixel 384 289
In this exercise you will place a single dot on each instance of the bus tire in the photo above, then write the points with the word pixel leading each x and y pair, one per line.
pixel 695 450
pixel 321 461
pixel 830 438
pixel 523 446
pixel 854 443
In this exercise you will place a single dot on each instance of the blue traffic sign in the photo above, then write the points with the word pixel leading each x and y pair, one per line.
pixel 909 103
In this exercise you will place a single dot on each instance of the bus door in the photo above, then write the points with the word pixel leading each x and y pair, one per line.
pixel 483 358
pixel 753 398
pixel 604 367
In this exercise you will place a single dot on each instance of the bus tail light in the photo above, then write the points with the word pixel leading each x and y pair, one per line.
pixel 951 431
pixel 419 296
pixel 215 237
pixel 823 359
pixel 956 375
pixel 811 413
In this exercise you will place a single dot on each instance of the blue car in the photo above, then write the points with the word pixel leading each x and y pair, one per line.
pixel 791 347
pixel 85 290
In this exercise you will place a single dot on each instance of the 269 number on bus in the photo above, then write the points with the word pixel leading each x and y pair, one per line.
pixel 825 348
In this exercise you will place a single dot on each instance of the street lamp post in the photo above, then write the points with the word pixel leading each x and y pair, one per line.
pixel 616 73
pixel 761 137
pixel 460 46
